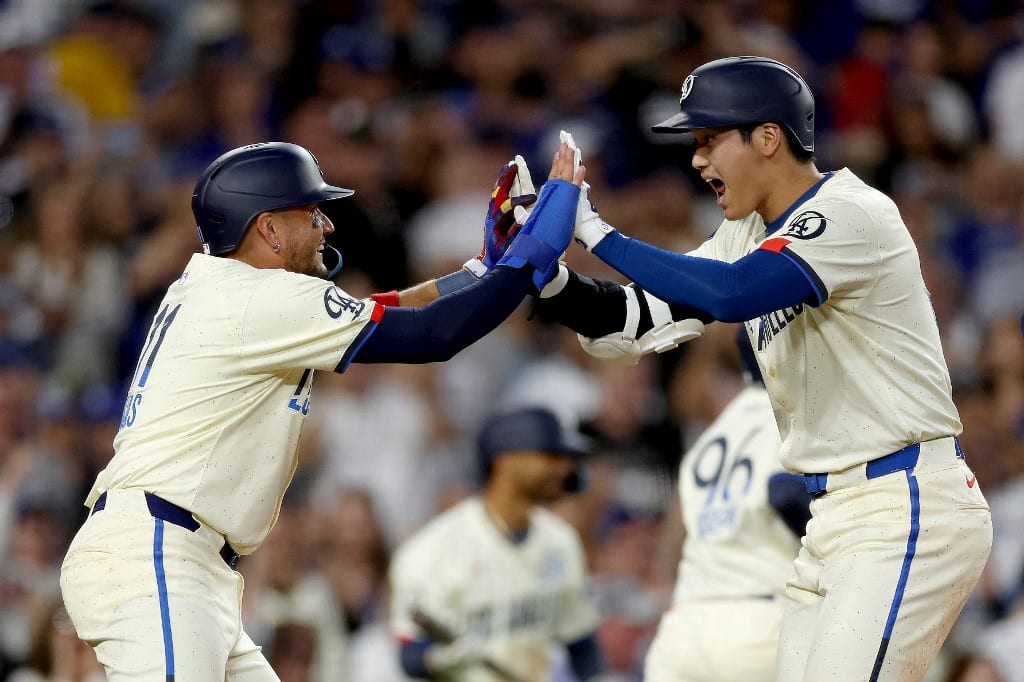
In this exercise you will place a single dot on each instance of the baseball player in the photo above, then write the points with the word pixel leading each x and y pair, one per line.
pixel 744 516
pixel 211 423
pixel 493 608
pixel 823 272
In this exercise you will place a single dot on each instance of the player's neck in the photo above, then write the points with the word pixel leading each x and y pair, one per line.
pixel 788 185
pixel 508 511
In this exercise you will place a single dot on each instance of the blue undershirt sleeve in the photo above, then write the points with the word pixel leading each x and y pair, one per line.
pixel 757 284
pixel 412 658
pixel 439 330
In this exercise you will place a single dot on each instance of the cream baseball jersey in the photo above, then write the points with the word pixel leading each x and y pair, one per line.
pixel 218 400
pixel 872 339
pixel 736 545
pixel 516 599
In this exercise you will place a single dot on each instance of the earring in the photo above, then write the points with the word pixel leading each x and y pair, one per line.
pixel 277 247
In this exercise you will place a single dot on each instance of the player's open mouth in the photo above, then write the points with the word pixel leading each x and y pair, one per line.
pixel 719 188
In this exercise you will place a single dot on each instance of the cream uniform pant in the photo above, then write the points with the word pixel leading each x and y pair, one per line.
pixel 155 600
pixel 716 640
pixel 884 569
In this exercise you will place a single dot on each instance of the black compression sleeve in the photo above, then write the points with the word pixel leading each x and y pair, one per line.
pixel 595 308
pixel 589 307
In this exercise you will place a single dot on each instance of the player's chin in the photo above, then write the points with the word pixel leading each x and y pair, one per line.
pixel 316 267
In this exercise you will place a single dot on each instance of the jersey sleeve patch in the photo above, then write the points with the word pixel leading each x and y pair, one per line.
pixel 780 245
pixel 775 244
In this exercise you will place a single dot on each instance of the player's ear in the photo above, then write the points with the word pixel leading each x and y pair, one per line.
pixel 263 225
pixel 771 138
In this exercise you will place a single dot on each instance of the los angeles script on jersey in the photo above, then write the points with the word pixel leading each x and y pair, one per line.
pixel 772 324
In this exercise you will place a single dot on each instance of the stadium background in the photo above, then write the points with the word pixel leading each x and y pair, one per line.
pixel 108 110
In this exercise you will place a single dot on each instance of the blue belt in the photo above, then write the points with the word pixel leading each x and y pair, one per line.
pixel 901 460
pixel 179 516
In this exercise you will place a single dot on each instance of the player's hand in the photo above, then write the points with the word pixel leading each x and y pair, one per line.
pixel 566 165
pixel 511 201
pixel 590 227
pixel 548 231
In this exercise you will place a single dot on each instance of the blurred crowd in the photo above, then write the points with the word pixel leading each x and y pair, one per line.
pixel 109 110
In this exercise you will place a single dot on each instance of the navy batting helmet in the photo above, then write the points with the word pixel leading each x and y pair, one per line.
pixel 249 180
pixel 743 90
pixel 526 428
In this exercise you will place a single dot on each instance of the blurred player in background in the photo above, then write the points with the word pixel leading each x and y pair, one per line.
pixel 744 516
pixel 487 588
pixel 209 436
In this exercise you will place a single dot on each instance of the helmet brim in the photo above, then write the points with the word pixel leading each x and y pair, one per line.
pixel 680 123
pixel 688 121
pixel 328 192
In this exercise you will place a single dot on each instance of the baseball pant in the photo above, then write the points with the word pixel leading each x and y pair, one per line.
pixel 716 640
pixel 155 600
pixel 884 569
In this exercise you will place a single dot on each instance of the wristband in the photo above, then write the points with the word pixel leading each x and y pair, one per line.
pixel 557 283
pixel 460 279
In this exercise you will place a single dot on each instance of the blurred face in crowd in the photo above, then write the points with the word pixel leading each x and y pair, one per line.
pixel 539 476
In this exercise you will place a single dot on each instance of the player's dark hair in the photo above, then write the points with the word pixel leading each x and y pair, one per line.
pixel 797 149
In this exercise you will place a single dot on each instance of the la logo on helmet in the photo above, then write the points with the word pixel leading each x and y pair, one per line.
pixel 687 87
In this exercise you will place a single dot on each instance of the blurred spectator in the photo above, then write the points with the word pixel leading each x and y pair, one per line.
pixel 290 603
pixel 29 571
pixel 57 654
pixel 75 280
pixel 375 428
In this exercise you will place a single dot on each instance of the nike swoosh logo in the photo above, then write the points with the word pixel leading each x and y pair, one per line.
pixel 971 481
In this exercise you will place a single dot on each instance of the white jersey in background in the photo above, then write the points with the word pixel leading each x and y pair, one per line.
pixel 515 599
pixel 723 625
pixel 873 340
pixel 736 545
pixel 216 356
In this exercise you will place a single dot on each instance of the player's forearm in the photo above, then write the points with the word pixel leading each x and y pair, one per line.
pixel 427 292
pixel 758 284
pixel 415 296
pixel 439 330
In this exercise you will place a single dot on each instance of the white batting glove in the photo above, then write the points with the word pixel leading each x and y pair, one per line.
pixel 590 227
pixel 522 186
pixel 577 158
